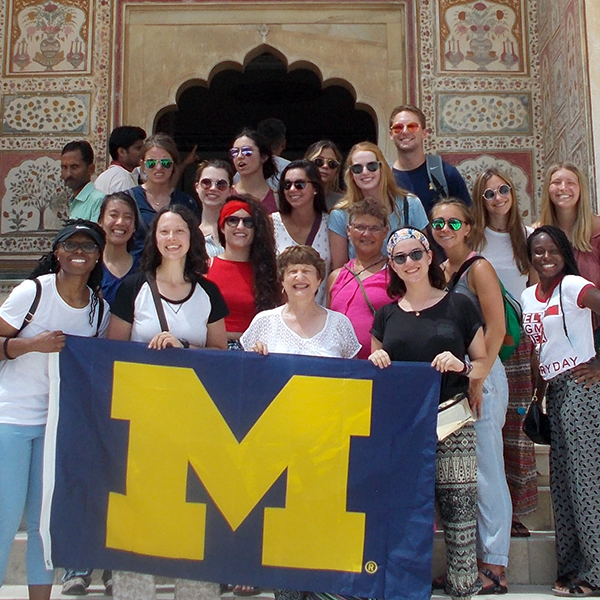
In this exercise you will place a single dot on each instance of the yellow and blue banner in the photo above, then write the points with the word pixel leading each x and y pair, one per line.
pixel 284 471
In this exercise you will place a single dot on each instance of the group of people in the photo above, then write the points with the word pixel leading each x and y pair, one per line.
pixel 398 263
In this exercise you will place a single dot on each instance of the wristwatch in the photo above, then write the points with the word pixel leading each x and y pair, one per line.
pixel 184 343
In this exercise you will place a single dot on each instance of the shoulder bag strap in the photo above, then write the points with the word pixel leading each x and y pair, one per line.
pixel 405 212
pixel 164 326
pixel 34 305
pixel 312 234
pixel 362 289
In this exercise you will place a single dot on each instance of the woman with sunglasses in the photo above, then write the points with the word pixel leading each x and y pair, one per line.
pixel 69 301
pixel 159 161
pixel 246 271
pixel 302 218
pixel 557 313
pixel 499 235
pixel 253 160
pixel 169 304
pixel 452 224
pixel 213 185
pixel 359 289
pixel 328 159
pixel 427 324
pixel 368 175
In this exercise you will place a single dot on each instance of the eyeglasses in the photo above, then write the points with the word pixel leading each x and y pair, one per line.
pixel 369 228
pixel 299 184
pixel 244 151
pixel 372 166
pixel 321 162
pixel 234 221
pixel 165 163
pixel 414 255
pixel 452 222
pixel 87 247
pixel 490 194
pixel 411 127
pixel 220 184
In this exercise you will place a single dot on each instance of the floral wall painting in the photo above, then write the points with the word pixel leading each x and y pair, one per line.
pixel 482 36
pixel 49 37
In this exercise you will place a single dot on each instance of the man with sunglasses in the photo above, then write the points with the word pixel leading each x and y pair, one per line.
pixel 408 132
pixel 76 170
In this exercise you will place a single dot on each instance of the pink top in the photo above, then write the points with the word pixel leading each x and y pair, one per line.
pixel 589 267
pixel 269 201
pixel 348 299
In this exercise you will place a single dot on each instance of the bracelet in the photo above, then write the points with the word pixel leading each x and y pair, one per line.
pixel 7 356
pixel 467 368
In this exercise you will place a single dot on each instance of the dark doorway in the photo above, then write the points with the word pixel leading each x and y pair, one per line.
pixel 210 117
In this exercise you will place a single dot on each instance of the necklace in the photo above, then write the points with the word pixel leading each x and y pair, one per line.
pixel 371 265
pixel 498 229
pixel 424 305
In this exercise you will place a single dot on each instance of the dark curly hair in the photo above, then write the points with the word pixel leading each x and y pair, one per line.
pixel 127 199
pixel 267 292
pixel 48 263
pixel 269 167
pixel 312 174
pixel 196 260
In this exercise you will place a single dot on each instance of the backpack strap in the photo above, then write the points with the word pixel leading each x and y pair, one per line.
pixel 463 269
pixel 437 178
pixel 34 305
pixel 160 312
pixel 100 316
pixel 405 212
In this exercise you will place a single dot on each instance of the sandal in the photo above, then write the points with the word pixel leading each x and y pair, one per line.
pixel 517 529
pixel 245 590
pixel 438 583
pixel 495 587
pixel 575 589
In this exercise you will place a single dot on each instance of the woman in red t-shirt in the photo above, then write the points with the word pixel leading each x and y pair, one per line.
pixel 246 272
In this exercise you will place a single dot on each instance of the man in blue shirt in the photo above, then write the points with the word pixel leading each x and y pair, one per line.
pixel 407 131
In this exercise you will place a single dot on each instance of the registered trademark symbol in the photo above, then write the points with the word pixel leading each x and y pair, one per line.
pixel 371 567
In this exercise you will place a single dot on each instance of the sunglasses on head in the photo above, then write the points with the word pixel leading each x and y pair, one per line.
pixel 414 255
pixel 87 247
pixel 165 163
pixel 220 184
pixel 490 194
pixel 372 166
pixel 244 151
pixel 321 162
pixel 299 184
pixel 371 228
pixel 452 222
pixel 412 127
pixel 234 221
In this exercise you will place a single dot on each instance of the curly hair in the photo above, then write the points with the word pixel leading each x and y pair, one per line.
pixel 196 260
pixel 312 174
pixel 267 293
pixel 269 167
pixel 48 263
pixel 127 199
pixel 516 229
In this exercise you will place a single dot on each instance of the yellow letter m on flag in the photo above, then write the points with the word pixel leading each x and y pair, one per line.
pixel 306 429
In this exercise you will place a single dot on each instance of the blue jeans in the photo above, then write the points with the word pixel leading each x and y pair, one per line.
pixel 21 456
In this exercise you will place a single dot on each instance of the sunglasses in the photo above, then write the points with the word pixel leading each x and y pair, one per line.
pixel 321 162
pixel 87 247
pixel 452 222
pixel 299 184
pixel 490 194
pixel 370 228
pixel 411 127
pixel 234 221
pixel 165 163
pixel 244 151
pixel 220 184
pixel 414 255
pixel 372 166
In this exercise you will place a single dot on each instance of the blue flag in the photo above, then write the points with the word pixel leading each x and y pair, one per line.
pixel 296 472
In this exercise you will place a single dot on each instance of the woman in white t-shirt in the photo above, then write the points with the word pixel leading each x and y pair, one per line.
pixel 499 235
pixel 302 216
pixel 69 302
pixel 169 304
pixel 557 315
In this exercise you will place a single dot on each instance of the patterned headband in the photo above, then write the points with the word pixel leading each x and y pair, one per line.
pixel 406 234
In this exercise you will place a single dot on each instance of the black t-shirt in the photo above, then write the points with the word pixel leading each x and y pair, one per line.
pixel 451 324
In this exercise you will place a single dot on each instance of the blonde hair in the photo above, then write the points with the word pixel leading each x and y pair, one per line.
pixel 515 226
pixel 582 232
pixel 387 186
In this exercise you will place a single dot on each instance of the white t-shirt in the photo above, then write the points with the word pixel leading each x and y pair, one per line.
pixel 336 339
pixel 116 179
pixel 499 252
pixel 24 383
pixel 284 240
pixel 187 319
pixel 543 322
